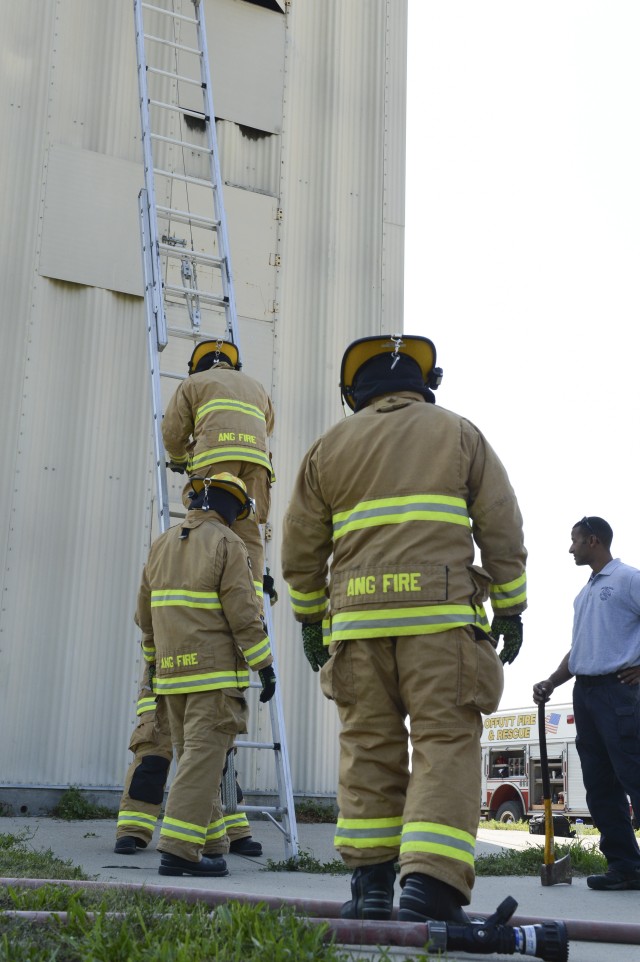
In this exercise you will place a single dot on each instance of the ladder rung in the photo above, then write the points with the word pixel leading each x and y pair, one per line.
pixel 208 296
pixel 180 253
pixel 185 332
pixel 172 43
pixel 198 114
pixel 176 76
pixel 181 143
pixel 185 178
pixel 168 13
pixel 185 217
pixel 277 809
pixel 271 745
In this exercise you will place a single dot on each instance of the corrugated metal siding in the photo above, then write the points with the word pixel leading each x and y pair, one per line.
pixel 77 486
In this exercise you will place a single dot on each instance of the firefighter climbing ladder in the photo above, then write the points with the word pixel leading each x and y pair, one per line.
pixel 188 282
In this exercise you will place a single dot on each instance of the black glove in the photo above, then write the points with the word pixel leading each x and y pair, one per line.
pixel 178 468
pixel 268 682
pixel 316 653
pixel 509 627
pixel 269 588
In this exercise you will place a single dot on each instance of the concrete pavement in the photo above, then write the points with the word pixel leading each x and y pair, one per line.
pixel 89 844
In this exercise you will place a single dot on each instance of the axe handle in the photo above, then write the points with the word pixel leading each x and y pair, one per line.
pixel 546 788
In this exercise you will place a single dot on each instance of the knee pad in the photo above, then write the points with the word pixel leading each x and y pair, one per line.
pixel 149 779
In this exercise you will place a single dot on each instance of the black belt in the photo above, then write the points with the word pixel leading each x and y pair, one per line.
pixel 598 679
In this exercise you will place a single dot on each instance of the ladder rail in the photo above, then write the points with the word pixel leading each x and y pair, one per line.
pixel 160 251
pixel 153 307
pixel 154 257
pixel 216 177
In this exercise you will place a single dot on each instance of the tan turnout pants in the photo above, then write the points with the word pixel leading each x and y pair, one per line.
pixel 203 726
pixel 426 814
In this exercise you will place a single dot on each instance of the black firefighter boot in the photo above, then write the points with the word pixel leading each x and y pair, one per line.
pixel 427 899
pixel 371 893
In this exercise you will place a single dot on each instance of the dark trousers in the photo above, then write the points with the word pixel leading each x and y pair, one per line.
pixel 607 717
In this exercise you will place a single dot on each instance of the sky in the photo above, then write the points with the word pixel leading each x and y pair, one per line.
pixel 522 250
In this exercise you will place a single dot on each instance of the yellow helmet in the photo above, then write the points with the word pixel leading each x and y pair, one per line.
pixel 225 482
pixel 421 349
pixel 226 348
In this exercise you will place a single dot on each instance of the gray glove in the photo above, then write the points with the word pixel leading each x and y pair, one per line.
pixel 316 652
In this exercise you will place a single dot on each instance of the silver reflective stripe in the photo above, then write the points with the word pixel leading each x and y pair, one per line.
pixel 437 839
pixel 390 831
pixel 396 510
pixel 166 686
pixel 391 621
pixel 183 831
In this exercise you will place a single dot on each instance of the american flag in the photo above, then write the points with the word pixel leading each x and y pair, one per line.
pixel 551 723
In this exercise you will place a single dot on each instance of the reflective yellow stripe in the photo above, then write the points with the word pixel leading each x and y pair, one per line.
pixel 308 602
pixel 481 619
pixel 423 620
pixel 216 830
pixel 149 652
pixel 137 820
pixel 510 594
pixel 368 832
pixel 148 703
pixel 438 839
pixel 185 831
pixel 177 458
pixel 237 820
pixel 258 652
pixel 259 589
pixel 416 507
pixel 207 681
pixel 228 404
pixel 188 599
pixel 231 454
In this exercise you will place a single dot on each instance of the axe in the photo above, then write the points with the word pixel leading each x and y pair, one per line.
pixel 551 872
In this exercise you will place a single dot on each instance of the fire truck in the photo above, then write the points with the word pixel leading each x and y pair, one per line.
pixel 511 769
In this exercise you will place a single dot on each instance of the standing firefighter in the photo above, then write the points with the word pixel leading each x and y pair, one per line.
pixel 397 495
pixel 202 629
pixel 219 420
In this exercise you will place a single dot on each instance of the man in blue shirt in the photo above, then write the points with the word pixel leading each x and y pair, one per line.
pixel 605 660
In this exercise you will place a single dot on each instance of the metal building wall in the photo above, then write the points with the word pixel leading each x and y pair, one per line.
pixel 310 109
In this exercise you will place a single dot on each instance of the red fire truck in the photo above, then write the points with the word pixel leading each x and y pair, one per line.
pixel 511 771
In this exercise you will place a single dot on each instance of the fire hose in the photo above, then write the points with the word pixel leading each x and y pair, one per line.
pixel 545 940
pixel 541 938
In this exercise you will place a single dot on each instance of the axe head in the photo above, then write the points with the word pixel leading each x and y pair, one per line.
pixel 556 873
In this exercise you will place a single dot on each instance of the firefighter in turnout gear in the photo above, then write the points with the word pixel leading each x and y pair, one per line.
pixel 397 496
pixel 219 420
pixel 203 631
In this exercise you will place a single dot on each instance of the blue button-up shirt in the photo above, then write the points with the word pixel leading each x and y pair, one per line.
pixel 606 623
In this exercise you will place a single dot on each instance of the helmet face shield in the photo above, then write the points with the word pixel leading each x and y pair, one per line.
pixel 224 482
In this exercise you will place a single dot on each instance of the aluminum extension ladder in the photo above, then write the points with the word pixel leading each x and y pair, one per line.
pixel 188 285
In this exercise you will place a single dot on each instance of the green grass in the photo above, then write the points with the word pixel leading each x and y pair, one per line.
pixel 74 807
pixel 152 930
pixel 313 812
pixel 308 863
pixel 584 861
pixel 17 860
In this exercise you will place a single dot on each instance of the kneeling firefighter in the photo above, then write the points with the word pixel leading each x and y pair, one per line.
pixel 379 542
